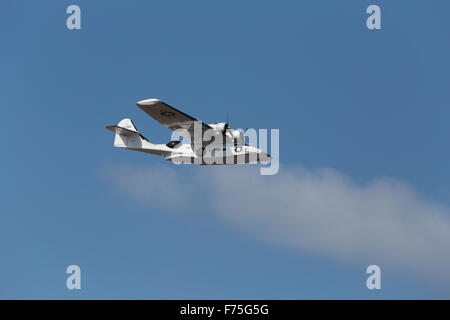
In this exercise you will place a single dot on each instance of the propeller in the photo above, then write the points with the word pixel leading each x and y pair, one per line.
pixel 227 123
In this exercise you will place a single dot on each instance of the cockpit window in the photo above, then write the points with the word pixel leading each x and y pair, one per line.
pixel 173 144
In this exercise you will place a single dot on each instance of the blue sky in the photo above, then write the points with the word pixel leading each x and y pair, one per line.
pixel 368 104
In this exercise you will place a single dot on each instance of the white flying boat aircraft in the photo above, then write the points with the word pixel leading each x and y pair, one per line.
pixel 214 143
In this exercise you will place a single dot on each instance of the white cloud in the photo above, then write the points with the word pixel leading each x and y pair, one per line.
pixel 155 186
pixel 319 211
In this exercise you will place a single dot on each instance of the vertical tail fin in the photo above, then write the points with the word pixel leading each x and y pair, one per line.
pixel 127 135
pixel 127 124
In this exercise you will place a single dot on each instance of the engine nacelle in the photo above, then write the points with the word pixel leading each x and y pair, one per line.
pixel 232 135
pixel 221 126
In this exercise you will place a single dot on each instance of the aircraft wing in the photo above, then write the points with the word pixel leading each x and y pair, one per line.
pixel 170 117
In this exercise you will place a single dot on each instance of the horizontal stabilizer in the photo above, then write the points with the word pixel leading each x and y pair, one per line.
pixel 120 130
pixel 126 128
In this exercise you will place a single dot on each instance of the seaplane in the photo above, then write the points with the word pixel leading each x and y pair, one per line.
pixel 205 144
